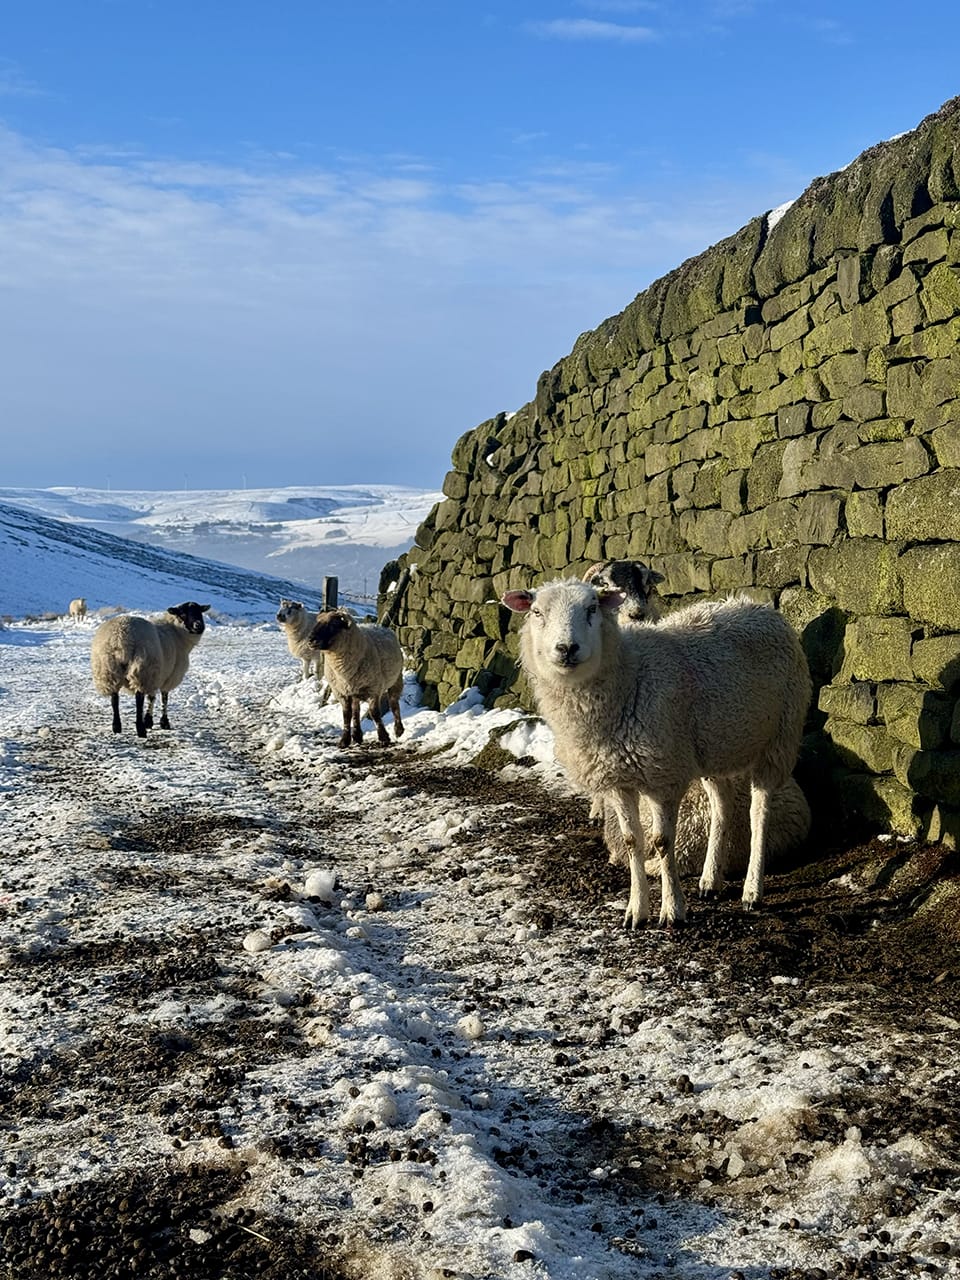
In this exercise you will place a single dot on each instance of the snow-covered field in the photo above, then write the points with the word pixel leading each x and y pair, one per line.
pixel 343 982
pixel 301 532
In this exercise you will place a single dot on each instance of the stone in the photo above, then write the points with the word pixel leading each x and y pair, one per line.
pixel 931 584
pixel 863 514
pixel 926 508
pixel 915 715
pixel 861 745
pixel 932 773
pixel 936 661
pixel 818 518
pixel 856 701
pixel 862 575
pixel 876 649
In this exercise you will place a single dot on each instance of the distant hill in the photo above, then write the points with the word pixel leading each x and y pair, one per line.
pixel 45 563
pixel 304 534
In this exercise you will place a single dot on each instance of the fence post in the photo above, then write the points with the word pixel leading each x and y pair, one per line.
pixel 330 589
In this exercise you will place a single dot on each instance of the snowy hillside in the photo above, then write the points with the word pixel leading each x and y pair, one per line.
pixel 303 533
pixel 44 563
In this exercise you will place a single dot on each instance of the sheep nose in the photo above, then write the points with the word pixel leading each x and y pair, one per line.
pixel 567 652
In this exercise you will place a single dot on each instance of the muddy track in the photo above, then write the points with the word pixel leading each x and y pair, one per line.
pixel 107 1058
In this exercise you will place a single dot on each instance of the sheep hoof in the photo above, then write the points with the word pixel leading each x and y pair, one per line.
pixel 344 740
pixel 672 926
pixel 141 731
pixel 751 904
pixel 398 730
pixel 630 921
pixel 164 722
pixel 148 722
pixel 708 894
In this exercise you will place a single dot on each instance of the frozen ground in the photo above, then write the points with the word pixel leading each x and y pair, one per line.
pixel 271 1009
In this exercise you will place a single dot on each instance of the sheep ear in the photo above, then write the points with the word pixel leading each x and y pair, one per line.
pixel 518 601
pixel 204 608
pixel 611 599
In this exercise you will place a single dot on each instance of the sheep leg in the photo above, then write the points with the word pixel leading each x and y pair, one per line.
pixel 347 707
pixel 357 731
pixel 377 715
pixel 625 807
pixel 760 797
pixel 395 708
pixel 663 835
pixel 164 722
pixel 612 836
pixel 305 668
pixel 115 703
pixel 720 793
pixel 141 727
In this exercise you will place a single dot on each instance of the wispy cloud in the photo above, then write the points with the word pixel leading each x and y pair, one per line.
pixel 14 84
pixel 592 30
pixel 219 297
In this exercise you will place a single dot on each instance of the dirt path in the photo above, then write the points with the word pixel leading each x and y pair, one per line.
pixel 209 1070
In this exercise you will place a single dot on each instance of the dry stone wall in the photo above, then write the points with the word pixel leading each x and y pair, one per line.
pixel 781 415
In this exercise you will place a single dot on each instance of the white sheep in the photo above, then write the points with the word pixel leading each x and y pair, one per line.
pixel 78 609
pixel 297 623
pixel 144 656
pixel 716 690
pixel 363 664
pixel 789 823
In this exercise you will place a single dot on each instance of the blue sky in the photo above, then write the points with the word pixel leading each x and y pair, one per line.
pixel 304 242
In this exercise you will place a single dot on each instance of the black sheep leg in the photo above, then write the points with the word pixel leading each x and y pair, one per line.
pixel 115 703
pixel 141 727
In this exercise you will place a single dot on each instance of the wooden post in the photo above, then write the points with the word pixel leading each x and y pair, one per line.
pixel 330 587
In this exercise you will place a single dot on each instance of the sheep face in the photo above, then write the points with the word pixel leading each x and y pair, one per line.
pixel 190 616
pixel 330 626
pixel 634 579
pixel 289 611
pixel 563 632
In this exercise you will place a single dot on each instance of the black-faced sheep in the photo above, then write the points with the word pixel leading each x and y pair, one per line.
pixel 714 691
pixel 789 823
pixel 363 663
pixel 297 624
pixel 145 656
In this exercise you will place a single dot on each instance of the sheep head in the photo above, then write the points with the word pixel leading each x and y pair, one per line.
pixel 289 610
pixel 635 579
pixel 563 634
pixel 190 616
pixel 329 627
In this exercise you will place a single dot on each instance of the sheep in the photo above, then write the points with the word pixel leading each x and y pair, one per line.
pixel 789 811
pixel 78 609
pixel 363 663
pixel 716 690
pixel 297 623
pixel 635 580
pixel 144 656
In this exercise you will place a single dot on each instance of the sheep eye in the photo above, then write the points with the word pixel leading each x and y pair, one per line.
pixel 592 609
pixel 536 613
